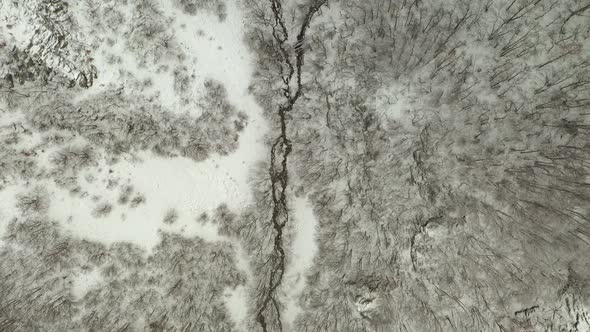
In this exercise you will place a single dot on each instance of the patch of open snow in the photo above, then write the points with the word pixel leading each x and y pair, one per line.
pixel 395 101
pixel 108 73
pixel 236 299
pixel 21 29
pixel 215 49
pixel 304 249
pixel 8 119
pixel 235 302
pixel 84 282
pixel 177 183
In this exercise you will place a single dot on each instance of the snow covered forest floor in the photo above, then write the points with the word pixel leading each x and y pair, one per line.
pixel 295 165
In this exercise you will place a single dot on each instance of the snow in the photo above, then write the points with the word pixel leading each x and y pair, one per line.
pixel 8 209
pixel 397 102
pixel 304 249
pixel 21 29
pixel 85 282
pixel 221 54
pixel 178 183
pixel 214 50
pixel 235 302
pixel 236 299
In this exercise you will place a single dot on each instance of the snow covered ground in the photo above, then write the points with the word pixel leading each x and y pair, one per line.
pixel 85 282
pixel 214 50
pixel 178 183
pixel 304 249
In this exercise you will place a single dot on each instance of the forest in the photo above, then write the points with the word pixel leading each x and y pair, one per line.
pixel 443 147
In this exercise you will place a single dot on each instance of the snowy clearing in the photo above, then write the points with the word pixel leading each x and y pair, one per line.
pixel 304 249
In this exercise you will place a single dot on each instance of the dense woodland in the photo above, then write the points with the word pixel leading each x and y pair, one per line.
pixel 444 145
pixel 446 149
